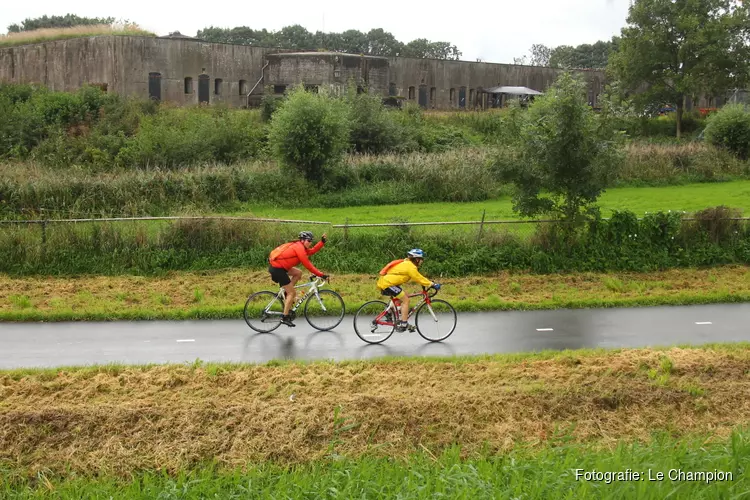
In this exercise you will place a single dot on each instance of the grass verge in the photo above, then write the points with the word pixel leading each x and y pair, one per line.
pixel 221 294
pixel 119 421
pixel 558 471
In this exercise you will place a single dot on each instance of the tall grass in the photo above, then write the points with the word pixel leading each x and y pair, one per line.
pixel 662 164
pixel 32 189
pixel 557 471
pixel 51 34
pixel 622 243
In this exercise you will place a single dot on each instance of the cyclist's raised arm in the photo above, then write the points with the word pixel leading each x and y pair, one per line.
pixel 315 249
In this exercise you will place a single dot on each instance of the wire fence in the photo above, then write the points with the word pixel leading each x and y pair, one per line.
pixel 478 229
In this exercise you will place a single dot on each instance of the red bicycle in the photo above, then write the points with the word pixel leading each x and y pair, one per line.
pixel 434 319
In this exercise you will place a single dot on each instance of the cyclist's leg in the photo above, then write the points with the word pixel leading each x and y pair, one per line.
pixel 291 293
pixel 295 274
pixel 280 276
pixel 397 292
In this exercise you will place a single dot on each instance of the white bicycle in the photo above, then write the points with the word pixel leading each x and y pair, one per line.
pixel 324 309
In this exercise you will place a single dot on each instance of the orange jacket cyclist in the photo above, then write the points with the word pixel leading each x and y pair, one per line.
pixel 281 264
pixel 397 273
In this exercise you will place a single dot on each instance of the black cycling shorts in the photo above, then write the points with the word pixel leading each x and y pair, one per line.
pixel 392 291
pixel 279 275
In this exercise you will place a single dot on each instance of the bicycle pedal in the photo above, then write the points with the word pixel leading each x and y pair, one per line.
pixel 412 328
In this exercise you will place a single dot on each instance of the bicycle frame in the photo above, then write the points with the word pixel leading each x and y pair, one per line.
pixel 395 308
pixel 313 284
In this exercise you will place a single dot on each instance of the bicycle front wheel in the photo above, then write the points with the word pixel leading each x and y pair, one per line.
pixel 263 311
pixel 372 324
pixel 435 321
pixel 325 311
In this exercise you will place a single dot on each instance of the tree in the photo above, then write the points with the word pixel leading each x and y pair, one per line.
pixel 66 21
pixel 443 50
pixel 241 35
pixel 566 154
pixel 383 43
pixel 376 42
pixel 672 50
pixel 584 56
pixel 540 55
pixel 309 132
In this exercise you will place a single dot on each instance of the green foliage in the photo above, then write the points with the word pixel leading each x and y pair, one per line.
pixel 567 154
pixel 66 21
pixel 309 133
pixel 376 42
pixel 729 128
pixel 269 104
pixel 592 56
pixel 621 243
pixel 373 129
pixel 181 136
pixel 671 51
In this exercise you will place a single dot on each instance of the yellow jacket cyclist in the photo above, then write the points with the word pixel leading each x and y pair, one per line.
pixel 397 273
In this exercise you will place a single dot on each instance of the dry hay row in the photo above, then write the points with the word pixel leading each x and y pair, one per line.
pixel 120 421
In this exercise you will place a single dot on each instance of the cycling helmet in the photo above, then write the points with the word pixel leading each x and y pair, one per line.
pixel 306 235
pixel 416 252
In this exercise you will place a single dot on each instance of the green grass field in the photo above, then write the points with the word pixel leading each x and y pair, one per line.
pixel 560 471
pixel 689 198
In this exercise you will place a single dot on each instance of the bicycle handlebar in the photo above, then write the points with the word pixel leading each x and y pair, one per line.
pixel 435 291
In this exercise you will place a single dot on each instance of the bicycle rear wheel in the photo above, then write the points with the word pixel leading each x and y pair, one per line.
pixel 263 311
pixel 435 321
pixel 372 324
pixel 324 313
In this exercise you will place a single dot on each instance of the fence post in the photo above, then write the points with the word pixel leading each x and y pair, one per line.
pixel 346 229
pixel 481 225
pixel 44 240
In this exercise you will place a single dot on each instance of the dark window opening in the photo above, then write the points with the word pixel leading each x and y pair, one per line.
pixel 411 93
pixel 154 86
pixel 243 87
pixel 360 90
pixel 188 85
pixel 471 97
pixel 423 96
pixel 462 97
pixel 203 88
pixel 453 96
pixel 433 95
pixel 311 88
pixel 392 89
pixel 279 89
pixel 217 86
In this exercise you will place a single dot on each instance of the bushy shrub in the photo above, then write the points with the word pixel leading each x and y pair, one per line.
pixel 373 129
pixel 269 103
pixel 309 133
pixel 182 136
pixel 729 128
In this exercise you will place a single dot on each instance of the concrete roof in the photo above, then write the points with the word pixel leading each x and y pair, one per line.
pixel 512 90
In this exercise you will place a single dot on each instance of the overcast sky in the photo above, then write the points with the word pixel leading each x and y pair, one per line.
pixel 497 31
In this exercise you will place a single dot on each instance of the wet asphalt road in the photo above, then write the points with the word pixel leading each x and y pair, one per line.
pixel 137 342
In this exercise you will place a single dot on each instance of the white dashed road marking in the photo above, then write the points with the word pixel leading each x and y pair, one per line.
pixel 186 340
pixel 703 323
pixel 545 330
